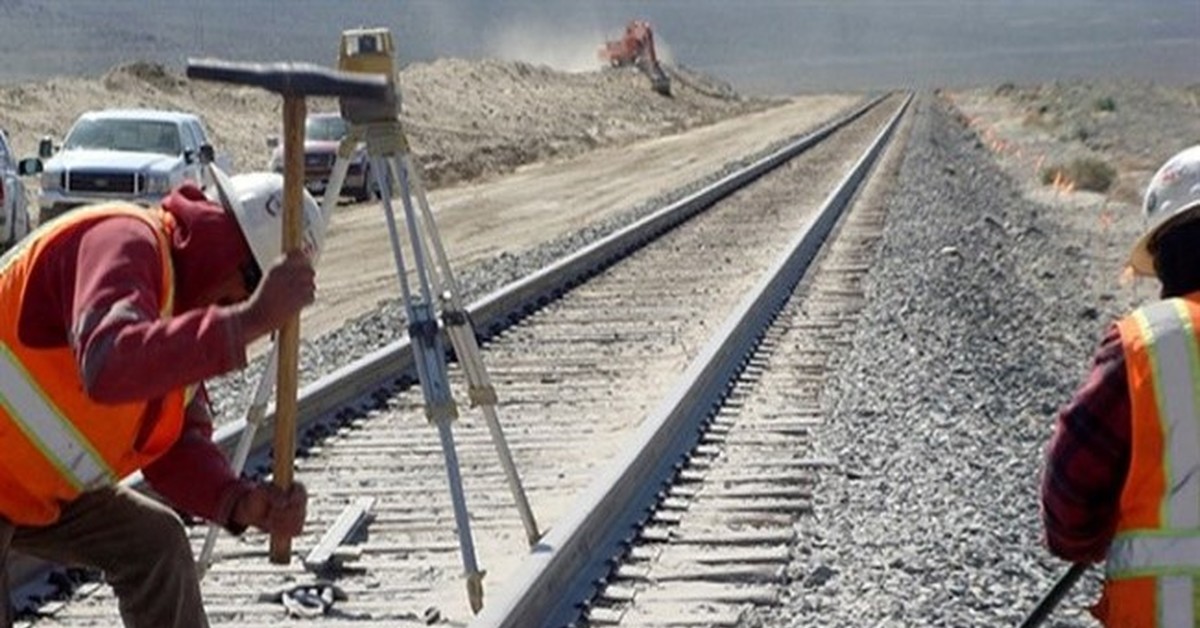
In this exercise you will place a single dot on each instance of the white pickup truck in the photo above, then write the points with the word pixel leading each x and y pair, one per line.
pixel 136 155
pixel 14 207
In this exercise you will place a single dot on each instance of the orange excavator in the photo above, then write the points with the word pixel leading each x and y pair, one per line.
pixel 636 47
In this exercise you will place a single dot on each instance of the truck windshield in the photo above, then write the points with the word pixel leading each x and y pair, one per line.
pixel 325 128
pixel 143 136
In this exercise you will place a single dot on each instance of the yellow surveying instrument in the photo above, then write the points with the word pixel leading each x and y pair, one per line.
pixel 370 50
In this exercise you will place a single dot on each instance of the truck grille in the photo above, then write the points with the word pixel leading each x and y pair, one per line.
pixel 111 182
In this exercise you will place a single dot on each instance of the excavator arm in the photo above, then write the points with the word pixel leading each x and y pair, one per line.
pixel 636 47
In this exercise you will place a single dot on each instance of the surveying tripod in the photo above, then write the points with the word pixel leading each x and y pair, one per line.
pixel 389 161
pixel 374 118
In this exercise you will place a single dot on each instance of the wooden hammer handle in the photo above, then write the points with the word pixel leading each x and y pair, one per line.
pixel 289 335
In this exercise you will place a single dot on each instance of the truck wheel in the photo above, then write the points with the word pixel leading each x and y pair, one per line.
pixel 367 191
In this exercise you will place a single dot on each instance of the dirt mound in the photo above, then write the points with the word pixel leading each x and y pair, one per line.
pixel 141 74
pixel 465 118
pixel 473 118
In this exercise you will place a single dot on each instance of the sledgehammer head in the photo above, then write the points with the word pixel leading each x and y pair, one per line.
pixel 292 79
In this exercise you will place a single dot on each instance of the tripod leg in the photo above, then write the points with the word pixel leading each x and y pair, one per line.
pixel 430 357
pixel 483 394
pixel 461 517
pixel 431 233
pixel 337 177
pixel 462 337
pixel 254 419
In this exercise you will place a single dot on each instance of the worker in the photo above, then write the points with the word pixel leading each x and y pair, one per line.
pixel 111 317
pixel 1122 476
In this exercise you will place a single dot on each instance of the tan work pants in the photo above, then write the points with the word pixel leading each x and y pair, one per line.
pixel 139 544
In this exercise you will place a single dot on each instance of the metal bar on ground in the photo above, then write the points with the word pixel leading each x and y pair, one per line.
pixel 350 521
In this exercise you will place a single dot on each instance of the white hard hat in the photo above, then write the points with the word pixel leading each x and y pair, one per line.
pixel 256 200
pixel 1172 197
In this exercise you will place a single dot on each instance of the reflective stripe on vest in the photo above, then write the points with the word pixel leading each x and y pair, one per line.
pixel 1175 361
pixel 1150 553
pixel 52 433
pixel 1176 601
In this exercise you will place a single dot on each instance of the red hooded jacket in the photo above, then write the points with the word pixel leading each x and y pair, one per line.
pixel 98 292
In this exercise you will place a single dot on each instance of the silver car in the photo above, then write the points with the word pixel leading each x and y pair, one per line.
pixel 14 207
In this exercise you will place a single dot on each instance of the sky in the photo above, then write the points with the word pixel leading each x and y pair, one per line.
pixel 759 46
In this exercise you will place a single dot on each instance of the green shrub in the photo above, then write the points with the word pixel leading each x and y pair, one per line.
pixel 1105 104
pixel 1085 173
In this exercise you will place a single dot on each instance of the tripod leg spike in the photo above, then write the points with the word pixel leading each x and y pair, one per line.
pixel 475 590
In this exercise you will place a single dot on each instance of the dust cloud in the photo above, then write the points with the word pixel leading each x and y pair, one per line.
pixel 565 49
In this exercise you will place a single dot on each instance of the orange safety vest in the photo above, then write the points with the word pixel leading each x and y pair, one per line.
pixel 56 442
pixel 1153 564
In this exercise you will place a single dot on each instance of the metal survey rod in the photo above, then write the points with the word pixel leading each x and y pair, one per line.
pixel 1054 596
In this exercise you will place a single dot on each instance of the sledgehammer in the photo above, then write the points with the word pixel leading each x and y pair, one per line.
pixel 295 82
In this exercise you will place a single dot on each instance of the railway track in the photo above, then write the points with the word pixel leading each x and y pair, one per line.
pixel 583 355
pixel 722 533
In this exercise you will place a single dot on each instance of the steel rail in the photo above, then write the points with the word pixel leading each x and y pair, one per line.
pixel 563 570
pixel 393 363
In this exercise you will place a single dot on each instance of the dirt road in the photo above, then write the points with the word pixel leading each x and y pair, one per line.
pixel 540 202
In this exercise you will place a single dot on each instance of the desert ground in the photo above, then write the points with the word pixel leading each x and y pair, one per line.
pixel 517 154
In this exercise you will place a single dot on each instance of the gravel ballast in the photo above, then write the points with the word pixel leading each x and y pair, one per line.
pixel 981 321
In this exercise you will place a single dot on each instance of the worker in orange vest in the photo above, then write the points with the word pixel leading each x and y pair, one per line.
pixel 1122 477
pixel 111 316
